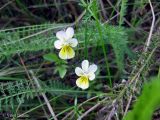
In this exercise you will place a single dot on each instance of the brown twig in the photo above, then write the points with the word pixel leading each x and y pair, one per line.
pixel 145 50
pixel 70 113
pixel 6 4
pixel 151 30
pixel 44 96
pixel 103 9
pixel 136 78
pixel 111 18
pixel 91 109
pixel 119 13
pixel 29 77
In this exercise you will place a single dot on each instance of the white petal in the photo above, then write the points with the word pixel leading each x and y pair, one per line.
pixel 91 76
pixel 58 44
pixel 92 68
pixel 61 35
pixel 82 82
pixel 79 71
pixel 85 65
pixel 69 32
pixel 73 42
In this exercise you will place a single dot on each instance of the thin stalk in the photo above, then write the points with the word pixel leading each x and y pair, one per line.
pixel 98 24
pixel 44 96
pixel 86 43
pixel 21 115
pixel 159 73
pixel 104 52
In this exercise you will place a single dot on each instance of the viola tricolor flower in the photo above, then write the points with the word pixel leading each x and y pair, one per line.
pixel 86 73
pixel 66 43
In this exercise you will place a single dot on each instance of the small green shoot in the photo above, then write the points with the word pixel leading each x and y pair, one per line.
pixel 60 67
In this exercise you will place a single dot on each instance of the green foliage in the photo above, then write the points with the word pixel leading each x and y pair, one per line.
pixel 22 92
pixel 29 38
pixel 147 103
pixel 138 5
pixel 11 93
pixel 62 70
pixel 115 36
pixel 97 42
pixel 19 92
pixel 41 37
pixel 123 11
pixel 118 39
pixel 51 57
pixel 54 58
pixel 60 67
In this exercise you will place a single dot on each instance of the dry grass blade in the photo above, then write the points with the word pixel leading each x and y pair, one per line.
pixel 151 29
pixel 44 96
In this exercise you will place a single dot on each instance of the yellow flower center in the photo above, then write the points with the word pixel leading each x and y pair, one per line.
pixel 84 79
pixel 66 52
pixel 83 82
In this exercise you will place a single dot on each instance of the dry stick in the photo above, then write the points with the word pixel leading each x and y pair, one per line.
pixel 14 117
pixel 111 114
pixel 75 22
pixel 145 50
pixel 137 78
pixel 6 4
pixel 147 44
pixel 103 9
pixel 79 18
pixel 119 13
pixel 130 98
pixel 147 17
pixel 44 96
pixel 88 111
pixel 151 30
pixel 111 18
pixel 91 109
pixel 22 62
pixel 66 117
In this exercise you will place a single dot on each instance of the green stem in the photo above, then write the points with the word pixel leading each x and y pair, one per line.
pixel 104 52
pixel 86 44
pixel 159 73
pixel 98 24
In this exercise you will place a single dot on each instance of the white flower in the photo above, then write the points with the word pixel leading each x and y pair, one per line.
pixel 86 73
pixel 66 43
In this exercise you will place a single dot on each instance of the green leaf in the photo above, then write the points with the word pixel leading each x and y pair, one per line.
pixel 149 101
pixel 51 57
pixel 62 71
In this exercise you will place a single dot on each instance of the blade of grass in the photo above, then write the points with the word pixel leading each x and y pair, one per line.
pixel 98 24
